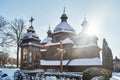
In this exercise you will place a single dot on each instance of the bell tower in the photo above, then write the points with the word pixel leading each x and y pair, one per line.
pixel 30 49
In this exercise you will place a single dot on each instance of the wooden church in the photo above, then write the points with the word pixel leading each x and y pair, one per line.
pixel 62 49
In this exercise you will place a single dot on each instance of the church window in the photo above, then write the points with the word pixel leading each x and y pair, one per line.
pixel 30 57
pixel 24 53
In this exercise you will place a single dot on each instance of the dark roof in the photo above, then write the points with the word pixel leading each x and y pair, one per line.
pixel 116 59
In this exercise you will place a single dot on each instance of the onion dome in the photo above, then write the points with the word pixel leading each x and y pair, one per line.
pixel 64 18
pixel 48 38
pixel 31 35
pixel 84 38
pixel 30 29
pixel 64 26
pixel 84 23
pixel 49 32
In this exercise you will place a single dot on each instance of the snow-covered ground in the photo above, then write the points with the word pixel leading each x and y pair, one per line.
pixel 10 72
pixel 115 76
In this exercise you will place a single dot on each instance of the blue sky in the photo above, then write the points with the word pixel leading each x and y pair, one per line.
pixel 102 14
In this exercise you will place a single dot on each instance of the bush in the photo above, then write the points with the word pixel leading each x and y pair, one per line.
pixel 89 73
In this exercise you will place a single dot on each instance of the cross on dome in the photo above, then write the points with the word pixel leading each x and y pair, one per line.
pixel 85 19
pixel 31 20
pixel 64 10
pixel 64 16
pixel 49 26
pixel 84 23
pixel 31 29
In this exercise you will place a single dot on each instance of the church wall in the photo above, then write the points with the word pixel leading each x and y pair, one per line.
pixel 53 54
pixel 32 57
pixel 86 52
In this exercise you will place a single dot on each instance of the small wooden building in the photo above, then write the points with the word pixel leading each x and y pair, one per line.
pixel 30 50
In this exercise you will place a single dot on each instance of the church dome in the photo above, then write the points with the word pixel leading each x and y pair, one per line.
pixel 84 23
pixel 84 38
pixel 64 26
pixel 63 15
pixel 31 32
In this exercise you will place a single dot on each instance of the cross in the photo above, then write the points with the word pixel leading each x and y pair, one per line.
pixel 31 20
pixel 49 26
pixel 84 17
pixel 64 10
pixel 61 50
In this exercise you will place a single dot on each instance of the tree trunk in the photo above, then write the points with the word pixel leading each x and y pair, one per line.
pixel 17 55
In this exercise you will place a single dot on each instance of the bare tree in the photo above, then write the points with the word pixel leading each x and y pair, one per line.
pixel 11 60
pixel 17 28
pixel 5 38
pixel 3 58
pixel 3 22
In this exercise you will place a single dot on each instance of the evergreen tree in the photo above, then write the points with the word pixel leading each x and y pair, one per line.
pixel 107 56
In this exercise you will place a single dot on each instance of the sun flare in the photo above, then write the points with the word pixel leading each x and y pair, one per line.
pixel 93 27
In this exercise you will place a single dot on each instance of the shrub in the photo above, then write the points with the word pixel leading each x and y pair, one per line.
pixel 89 73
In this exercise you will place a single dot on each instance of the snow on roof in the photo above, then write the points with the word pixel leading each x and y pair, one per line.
pixel 31 35
pixel 31 44
pixel 47 39
pixel 64 27
pixel 89 61
pixel 65 31
pixel 74 62
pixel 82 46
pixel 53 62
pixel 65 41
pixel 32 71
pixel 10 65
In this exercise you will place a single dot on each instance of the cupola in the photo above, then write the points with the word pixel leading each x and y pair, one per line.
pixel 63 26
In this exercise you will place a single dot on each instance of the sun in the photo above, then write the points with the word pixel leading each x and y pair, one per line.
pixel 93 27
